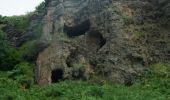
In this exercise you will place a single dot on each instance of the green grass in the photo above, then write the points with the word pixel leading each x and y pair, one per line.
pixel 78 90
pixel 17 85
pixel 145 89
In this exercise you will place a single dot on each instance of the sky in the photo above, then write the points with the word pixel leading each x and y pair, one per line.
pixel 17 7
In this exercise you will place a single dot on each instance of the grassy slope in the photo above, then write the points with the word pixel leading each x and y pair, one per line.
pixel 153 86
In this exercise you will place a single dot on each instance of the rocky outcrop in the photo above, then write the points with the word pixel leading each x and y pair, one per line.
pixel 95 39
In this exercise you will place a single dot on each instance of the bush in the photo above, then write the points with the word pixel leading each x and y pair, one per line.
pixel 9 56
pixel 29 50
pixel 19 23
pixel 40 8
pixel 96 92
pixel 23 74
pixel 159 70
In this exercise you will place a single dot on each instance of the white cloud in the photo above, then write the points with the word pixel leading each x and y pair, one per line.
pixel 17 7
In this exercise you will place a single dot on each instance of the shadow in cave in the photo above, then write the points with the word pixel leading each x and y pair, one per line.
pixel 78 29
pixel 57 75
pixel 95 40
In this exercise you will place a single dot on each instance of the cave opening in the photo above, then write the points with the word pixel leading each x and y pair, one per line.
pixel 57 75
pixel 96 40
pixel 77 30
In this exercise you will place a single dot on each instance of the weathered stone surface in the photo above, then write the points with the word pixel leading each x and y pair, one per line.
pixel 88 39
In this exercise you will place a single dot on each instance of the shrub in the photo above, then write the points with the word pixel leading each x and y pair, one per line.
pixel 19 23
pixel 159 69
pixel 23 74
pixel 54 93
pixel 25 68
pixel 40 8
pixel 8 55
pixel 96 92
pixel 29 50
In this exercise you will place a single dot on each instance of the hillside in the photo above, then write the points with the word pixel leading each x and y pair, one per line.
pixel 87 50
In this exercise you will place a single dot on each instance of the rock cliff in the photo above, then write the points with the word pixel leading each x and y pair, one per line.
pixel 112 40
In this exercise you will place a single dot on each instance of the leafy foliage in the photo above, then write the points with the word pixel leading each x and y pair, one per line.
pixel 19 23
pixel 8 55
pixel 29 50
pixel 149 87
pixel 40 8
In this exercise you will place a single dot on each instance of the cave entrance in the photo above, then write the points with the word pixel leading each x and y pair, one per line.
pixel 57 75
pixel 77 30
pixel 95 40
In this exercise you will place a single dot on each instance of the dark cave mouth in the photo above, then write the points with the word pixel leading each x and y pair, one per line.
pixel 77 30
pixel 96 39
pixel 56 75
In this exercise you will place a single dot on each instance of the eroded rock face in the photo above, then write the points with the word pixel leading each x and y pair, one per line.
pixel 88 39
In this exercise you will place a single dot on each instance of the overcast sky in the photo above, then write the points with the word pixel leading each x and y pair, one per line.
pixel 17 7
